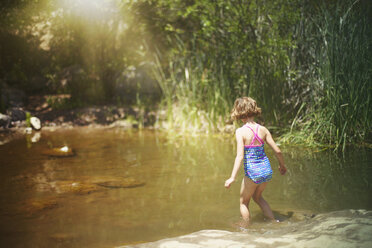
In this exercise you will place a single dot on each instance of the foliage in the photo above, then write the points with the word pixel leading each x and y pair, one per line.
pixel 234 48
pixel 340 111
pixel 307 63
pixel 75 47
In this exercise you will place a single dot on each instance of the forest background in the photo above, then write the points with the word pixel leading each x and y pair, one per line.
pixel 307 63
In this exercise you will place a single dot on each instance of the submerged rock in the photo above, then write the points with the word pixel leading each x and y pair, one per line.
pixel 34 206
pixel 76 187
pixel 115 182
pixel 64 151
pixel 124 183
pixel 90 185
pixel 347 228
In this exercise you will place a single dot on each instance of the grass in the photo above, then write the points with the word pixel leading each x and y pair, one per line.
pixel 342 115
pixel 330 107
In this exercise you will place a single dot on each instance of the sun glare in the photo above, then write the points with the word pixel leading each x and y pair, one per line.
pixel 90 9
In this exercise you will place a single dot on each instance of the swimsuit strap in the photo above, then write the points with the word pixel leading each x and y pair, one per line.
pixel 259 139
pixel 255 135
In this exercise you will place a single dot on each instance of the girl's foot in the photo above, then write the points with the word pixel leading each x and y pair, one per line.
pixel 242 225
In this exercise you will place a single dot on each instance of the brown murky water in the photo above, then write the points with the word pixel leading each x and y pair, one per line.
pixel 172 186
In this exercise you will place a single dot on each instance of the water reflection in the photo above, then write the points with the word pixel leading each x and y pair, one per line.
pixel 324 181
pixel 181 192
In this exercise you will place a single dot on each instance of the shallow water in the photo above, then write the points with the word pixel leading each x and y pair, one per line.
pixel 183 190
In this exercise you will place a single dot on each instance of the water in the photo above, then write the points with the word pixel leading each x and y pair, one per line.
pixel 183 191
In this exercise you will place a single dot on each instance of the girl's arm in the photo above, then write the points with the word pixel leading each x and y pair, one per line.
pixel 278 153
pixel 238 159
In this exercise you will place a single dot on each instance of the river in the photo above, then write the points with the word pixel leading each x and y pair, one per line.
pixel 174 186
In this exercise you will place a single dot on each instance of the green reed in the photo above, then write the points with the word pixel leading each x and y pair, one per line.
pixel 341 111
pixel 193 101
pixel 312 81
pixel 238 52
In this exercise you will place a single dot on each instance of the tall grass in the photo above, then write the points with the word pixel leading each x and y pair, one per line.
pixel 242 50
pixel 313 81
pixel 341 113
pixel 193 101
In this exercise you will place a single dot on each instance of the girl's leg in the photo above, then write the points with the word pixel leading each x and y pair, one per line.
pixel 246 191
pixel 257 197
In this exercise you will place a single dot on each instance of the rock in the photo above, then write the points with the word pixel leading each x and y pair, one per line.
pixel 5 121
pixel 121 183
pixel 16 114
pixel 35 206
pixel 64 151
pixel 114 182
pixel 84 185
pixel 19 124
pixel 76 187
pixel 35 123
pixel 346 228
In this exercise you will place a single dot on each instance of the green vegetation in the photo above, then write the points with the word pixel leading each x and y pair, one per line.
pixel 238 48
pixel 307 63
pixel 340 111
pixel 28 119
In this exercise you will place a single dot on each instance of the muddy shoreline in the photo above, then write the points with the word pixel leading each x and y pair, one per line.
pixel 106 116
pixel 15 120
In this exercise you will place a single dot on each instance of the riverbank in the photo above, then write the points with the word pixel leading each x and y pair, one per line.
pixel 53 114
pixel 346 228
pixel 54 111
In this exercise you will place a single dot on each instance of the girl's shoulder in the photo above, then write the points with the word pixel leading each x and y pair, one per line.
pixel 239 130
pixel 264 129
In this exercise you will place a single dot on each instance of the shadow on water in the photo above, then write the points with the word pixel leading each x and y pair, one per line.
pixel 124 187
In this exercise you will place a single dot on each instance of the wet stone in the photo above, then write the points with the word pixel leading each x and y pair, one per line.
pixel 76 187
pixel 35 123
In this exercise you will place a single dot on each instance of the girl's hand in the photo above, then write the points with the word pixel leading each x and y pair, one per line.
pixel 228 182
pixel 282 169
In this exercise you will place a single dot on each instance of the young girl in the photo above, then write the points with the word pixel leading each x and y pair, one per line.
pixel 250 140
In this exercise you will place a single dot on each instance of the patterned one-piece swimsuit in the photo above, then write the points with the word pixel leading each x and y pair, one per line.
pixel 256 164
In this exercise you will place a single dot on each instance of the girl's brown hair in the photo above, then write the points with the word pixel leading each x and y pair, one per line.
pixel 245 107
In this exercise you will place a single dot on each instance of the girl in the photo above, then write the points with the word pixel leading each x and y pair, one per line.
pixel 250 140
